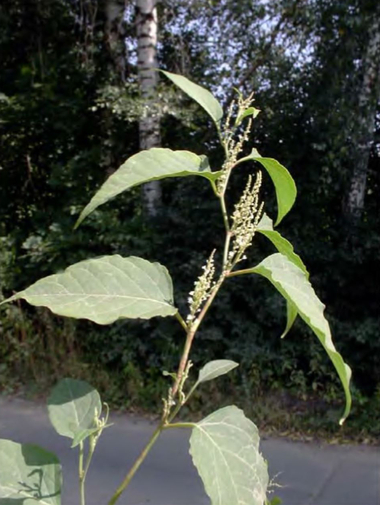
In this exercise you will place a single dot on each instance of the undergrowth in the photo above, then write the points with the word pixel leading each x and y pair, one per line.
pixel 36 352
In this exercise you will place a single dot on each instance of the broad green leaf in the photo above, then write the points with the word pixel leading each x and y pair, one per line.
pixel 29 475
pixel 295 287
pixel 284 185
pixel 199 94
pixel 265 227
pixel 251 111
pixel 225 450
pixel 73 407
pixel 105 289
pixel 145 166
pixel 215 368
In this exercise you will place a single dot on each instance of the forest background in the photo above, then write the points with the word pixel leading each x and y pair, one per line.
pixel 70 107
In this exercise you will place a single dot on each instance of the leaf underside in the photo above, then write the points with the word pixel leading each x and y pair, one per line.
pixel 105 289
pixel 201 95
pixel 295 287
pixel 29 475
pixel 215 369
pixel 73 406
pixel 265 227
pixel 145 166
pixel 225 450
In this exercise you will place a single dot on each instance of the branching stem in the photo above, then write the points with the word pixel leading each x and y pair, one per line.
pixel 181 321
pixel 191 334
pixel 240 272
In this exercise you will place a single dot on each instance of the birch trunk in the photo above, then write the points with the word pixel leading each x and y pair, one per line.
pixel 149 126
pixel 365 121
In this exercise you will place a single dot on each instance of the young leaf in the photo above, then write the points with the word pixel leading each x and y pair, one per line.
pixel 294 286
pixel 29 475
pixel 284 185
pixel 225 450
pixel 105 289
pixel 251 111
pixel 215 369
pixel 199 94
pixel 145 166
pixel 73 407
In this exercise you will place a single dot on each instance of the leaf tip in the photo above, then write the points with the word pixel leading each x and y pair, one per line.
pixel 10 299
pixel 80 219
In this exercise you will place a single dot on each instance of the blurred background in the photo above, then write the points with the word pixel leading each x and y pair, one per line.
pixel 71 111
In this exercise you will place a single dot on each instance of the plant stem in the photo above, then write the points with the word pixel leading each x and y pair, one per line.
pixel 136 464
pixel 81 475
pixel 179 425
pixel 191 330
pixel 181 321
pixel 89 457
pixel 224 213
pixel 240 272
pixel 191 334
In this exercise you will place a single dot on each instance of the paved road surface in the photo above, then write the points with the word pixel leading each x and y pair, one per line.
pixel 309 474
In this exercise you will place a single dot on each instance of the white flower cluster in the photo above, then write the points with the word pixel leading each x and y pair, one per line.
pixel 202 288
pixel 245 219
pixel 234 147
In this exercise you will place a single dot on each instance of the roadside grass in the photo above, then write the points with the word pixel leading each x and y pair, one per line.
pixel 277 413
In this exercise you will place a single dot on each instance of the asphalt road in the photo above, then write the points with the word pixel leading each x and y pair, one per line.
pixel 304 474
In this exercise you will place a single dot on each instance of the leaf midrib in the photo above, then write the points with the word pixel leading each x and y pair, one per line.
pixel 96 295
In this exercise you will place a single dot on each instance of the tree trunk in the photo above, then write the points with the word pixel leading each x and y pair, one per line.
pixel 363 130
pixel 114 35
pixel 149 126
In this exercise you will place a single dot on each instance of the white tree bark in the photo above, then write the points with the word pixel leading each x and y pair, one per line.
pixel 365 121
pixel 149 126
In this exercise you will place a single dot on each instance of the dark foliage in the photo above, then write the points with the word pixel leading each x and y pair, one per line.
pixel 68 118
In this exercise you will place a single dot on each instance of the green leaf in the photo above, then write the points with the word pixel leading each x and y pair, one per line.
pixel 105 289
pixel 294 286
pixel 265 227
pixel 28 475
pixel 284 185
pixel 225 450
pixel 199 94
pixel 146 166
pixel 215 368
pixel 73 408
pixel 251 111
pixel 291 316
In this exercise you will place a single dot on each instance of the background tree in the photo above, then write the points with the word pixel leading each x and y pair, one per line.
pixel 149 124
